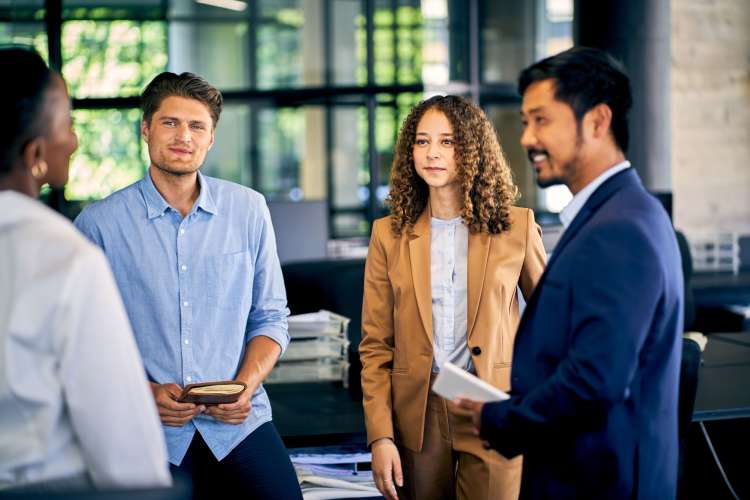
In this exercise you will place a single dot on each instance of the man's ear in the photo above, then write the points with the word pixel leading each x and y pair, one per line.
pixel 213 136
pixel 145 130
pixel 601 120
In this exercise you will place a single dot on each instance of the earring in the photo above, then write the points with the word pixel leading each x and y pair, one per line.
pixel 39 170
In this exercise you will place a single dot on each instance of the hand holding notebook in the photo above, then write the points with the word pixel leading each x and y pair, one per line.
pixel 452 382
pixel 213 393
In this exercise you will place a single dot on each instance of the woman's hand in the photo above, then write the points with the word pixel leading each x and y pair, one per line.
pixel 386 467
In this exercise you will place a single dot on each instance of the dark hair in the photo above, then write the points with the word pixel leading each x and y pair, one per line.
pixel 487 188
pixel 27 78
pixel 187 85
pixel 585 77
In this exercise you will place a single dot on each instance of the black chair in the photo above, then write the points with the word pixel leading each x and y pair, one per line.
pixel 689 364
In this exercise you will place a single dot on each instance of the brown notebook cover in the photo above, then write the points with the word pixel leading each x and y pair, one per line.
pixel 213 393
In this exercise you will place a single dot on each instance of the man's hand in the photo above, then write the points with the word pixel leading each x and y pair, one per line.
pixel 474 409
pixel 171 412
pixel 386 467
pixel 233 413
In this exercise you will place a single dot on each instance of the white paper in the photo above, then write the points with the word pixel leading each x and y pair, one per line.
pixel 452 382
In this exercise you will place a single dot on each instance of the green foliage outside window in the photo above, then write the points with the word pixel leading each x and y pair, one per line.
pixel 112 58
pixel 397 40
pixel 110 154
pixel 109 59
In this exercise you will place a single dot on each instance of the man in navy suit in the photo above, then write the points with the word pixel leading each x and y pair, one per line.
pixel 593 406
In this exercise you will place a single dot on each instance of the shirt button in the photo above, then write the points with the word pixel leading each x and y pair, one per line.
pixel 187 341
pixel 185 303
pixel 183 267
pixel 188 378
pixel 182 231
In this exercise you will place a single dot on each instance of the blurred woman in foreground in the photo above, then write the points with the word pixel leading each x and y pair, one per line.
pixel 75 407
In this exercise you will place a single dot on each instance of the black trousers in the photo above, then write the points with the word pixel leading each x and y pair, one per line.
pixel 257 468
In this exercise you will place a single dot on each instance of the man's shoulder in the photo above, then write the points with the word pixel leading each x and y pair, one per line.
pixel 114 202
pixel 222 190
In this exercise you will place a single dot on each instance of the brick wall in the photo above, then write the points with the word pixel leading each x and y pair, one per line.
pixel 711 115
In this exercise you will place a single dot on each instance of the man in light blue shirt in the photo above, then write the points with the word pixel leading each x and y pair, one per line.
pixel 195 261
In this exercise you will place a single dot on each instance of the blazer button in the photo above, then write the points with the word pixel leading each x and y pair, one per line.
pixel 476 350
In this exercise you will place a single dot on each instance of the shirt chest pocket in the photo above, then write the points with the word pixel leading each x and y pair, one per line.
pixel 229 280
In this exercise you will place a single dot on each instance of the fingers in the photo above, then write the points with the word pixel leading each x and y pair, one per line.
pixel 234 413
pixel 384 484
pixel 398 474
pixel 468 404
pixel 386 466
pixel 171 412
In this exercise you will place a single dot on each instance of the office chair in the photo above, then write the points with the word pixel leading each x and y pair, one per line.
pixel 692 345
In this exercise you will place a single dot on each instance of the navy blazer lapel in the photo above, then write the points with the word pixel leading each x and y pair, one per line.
pixel 595 201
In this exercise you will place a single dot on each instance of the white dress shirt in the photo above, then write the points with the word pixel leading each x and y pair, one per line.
pixel 579 200
pixel 73 393
pixel 449 244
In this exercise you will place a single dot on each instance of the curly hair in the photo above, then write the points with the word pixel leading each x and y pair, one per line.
pixel 484 176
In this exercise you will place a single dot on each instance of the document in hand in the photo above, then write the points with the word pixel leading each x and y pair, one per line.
pixel 452 382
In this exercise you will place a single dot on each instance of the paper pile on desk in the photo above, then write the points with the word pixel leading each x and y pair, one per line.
pixel 333 472
pixel 316 324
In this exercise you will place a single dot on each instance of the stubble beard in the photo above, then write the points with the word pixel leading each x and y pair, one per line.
pixel 166 169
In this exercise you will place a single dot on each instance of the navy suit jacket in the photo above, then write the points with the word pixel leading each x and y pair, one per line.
pixel 596 359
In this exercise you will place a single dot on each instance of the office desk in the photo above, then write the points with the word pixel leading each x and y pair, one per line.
pixel 316 414
pixel 720 289
pixel 724 378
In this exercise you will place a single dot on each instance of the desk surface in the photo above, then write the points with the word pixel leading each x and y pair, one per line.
pixel 724 378
pixel 720 289
pixel 316 413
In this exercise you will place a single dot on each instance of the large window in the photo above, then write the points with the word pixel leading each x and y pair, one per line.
pixel 315 90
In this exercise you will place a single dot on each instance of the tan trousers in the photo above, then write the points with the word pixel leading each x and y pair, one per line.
pixel 453 464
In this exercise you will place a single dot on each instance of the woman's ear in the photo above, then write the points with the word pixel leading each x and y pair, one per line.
pixel 33 156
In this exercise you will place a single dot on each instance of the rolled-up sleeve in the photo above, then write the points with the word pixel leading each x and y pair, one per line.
pixel 269 311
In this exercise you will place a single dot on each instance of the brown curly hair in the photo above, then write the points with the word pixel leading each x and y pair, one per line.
pixel 486 181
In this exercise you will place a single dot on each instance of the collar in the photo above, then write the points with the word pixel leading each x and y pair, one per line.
pixel 156 205
pixel 571 209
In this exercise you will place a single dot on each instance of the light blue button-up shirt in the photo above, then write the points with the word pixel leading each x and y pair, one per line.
pixel 197 289
pixel 449 246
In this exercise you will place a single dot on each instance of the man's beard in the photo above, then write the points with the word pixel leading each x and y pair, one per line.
pixel 567 170
pixel 176 173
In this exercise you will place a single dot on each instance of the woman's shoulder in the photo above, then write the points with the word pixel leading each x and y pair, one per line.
pixel 382 227
pixel 520 215
pixel 520 219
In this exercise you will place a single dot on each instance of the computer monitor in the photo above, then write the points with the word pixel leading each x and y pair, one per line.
pixel 301 229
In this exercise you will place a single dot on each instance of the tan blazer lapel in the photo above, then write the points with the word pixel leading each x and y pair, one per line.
pixel 478 253
pixel 419 256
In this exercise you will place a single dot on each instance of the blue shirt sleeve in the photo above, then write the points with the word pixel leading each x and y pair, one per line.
pixel 268 314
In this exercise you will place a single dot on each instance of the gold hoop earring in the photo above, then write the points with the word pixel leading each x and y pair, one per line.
pixel 39 170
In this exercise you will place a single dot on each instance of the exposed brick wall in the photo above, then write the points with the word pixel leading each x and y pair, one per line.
pixel 711 115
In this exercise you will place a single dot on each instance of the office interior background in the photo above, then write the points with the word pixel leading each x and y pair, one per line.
pixel 315 92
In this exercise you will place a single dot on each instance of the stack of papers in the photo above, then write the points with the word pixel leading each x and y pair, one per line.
pixel 333 472
pixel 317 324
pixel 318 351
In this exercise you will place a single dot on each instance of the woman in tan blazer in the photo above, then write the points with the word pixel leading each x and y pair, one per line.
pixel 440 285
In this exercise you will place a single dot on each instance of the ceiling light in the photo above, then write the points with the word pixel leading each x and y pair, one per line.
pixel 225 4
